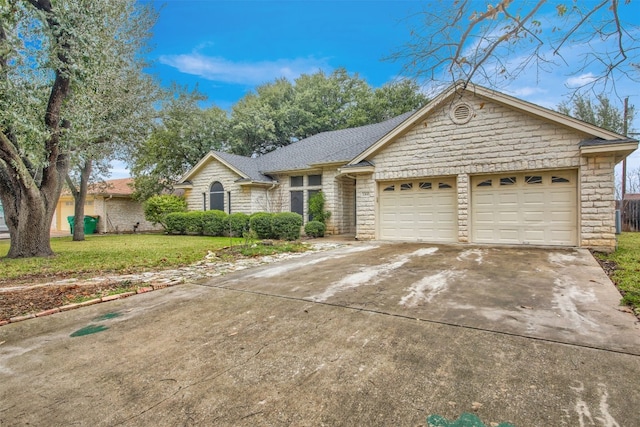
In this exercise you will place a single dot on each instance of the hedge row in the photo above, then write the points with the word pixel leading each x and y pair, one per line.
pixel 207 223
pixel 283 226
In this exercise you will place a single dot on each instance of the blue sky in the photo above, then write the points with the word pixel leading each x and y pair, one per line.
pixel 228 48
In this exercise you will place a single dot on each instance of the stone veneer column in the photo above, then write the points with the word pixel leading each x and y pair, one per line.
pixel 365 207
pixel 462 186
pixel 597 203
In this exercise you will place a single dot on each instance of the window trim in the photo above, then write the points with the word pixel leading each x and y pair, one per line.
pixel 217 193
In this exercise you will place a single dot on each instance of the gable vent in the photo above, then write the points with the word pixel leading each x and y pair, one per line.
pixel 461 113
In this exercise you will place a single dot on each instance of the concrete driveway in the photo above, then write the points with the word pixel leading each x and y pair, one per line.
pixel 557 295
pixel 369 334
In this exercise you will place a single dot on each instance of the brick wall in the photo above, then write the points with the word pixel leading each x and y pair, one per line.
pixel 120 214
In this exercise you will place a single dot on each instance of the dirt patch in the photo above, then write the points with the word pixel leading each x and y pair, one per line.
pixel 41 298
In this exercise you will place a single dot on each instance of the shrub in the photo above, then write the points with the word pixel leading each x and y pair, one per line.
pixel 261 224
pixel 316 208
pixel 156 208
pixel 314 229
pixel 286 225
pixel 193 222
pixel 175 223
pixel 213 222
pixel 237 224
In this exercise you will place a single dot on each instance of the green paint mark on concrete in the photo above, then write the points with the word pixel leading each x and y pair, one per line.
pixel 107 316
pixel 88 330
pixel 465 420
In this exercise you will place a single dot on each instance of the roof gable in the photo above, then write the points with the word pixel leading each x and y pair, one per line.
pixel 458 89
pixel 227 160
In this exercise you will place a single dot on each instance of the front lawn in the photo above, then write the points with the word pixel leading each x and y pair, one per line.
pixel 627 270
pixel 122 254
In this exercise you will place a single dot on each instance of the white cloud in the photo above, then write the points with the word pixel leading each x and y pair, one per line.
pixel 525 91
pixel 249 73
pixel 581 80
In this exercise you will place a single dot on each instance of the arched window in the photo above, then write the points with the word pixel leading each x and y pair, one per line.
pixel 216 196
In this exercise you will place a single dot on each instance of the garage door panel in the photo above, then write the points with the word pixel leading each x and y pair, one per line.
pixel 508 235
pixel 420 213
pixel 540 211
pixel 534 236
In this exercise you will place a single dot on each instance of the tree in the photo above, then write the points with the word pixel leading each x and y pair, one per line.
pixel 600 112
pixel 112 112
pixel 280 113
pixel 330 102
pixel 264 120
pixel 498 42
pixel 47 50
pixel 395 98
pixel 184 134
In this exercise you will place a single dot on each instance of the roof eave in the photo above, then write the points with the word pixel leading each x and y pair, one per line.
pixel 251 183
pixel 620 150
pixel 292 171
pixel 356 170
pixel 183 185
pixel 329 164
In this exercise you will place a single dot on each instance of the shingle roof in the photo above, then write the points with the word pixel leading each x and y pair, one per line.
pixel 247 165
pixel 113 187
pixel 326 147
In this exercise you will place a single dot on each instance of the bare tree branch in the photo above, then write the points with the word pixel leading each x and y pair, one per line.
pixel 509 38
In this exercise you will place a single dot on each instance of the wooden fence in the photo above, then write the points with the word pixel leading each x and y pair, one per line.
pixel 630 214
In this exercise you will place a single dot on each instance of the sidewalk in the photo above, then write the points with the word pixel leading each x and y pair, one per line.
pixel 54 233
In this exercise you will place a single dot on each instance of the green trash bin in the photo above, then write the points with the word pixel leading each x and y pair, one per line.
pixel 90 224
pixel 70 220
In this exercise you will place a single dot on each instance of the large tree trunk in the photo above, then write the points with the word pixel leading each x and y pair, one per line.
pixel 30 193
pixel 28 216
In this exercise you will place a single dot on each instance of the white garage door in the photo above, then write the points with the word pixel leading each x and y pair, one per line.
pixel 538 208
pixel 422 209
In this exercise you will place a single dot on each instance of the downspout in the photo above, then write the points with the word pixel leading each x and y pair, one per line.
pixel 106 214
pixel 273 185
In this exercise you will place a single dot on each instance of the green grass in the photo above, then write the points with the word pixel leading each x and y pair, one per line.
pixel 627 276
pixel 122 254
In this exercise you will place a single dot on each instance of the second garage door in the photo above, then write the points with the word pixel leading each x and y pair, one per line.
pixel 538 208
pixel 422 209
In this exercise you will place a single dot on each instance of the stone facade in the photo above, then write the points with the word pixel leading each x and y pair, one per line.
pixel 464 134
pixel 597 203
pixel 198 198
pixel 273 198
pixel 366 200
pixel 496 139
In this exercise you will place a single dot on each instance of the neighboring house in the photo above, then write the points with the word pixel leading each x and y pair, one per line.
pixel 111 201
pixel 472 166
